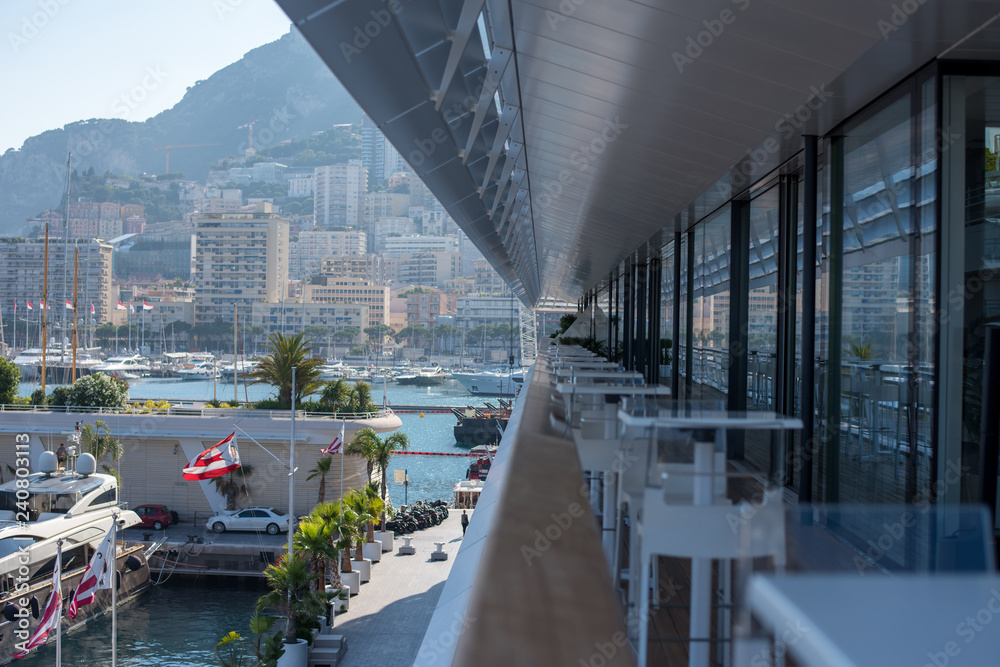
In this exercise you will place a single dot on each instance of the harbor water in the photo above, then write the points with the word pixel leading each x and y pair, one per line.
pixel 177 625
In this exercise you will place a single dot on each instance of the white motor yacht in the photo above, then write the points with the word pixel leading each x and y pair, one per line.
pixel 491 382
pixel 77 507
pixel 131 366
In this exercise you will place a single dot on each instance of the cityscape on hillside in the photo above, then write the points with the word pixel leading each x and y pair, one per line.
pixel 353 251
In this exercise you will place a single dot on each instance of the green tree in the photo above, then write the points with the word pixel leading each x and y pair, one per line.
pixel 10 381
pixel 337 395
pixel 321 470
pixel 378 451
pixel 96 440
pixel 233 484
pixel 314 538
pixel 361 398
pixel 99 390
pixel 290 583
pixel 275 368
pixel 332 514
pixel 346 335
pixel 367 514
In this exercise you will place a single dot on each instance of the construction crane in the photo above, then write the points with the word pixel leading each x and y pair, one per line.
pixel 250 150
pixel 170 148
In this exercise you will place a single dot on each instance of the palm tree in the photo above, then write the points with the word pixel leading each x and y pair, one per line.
pixel 361 398
pixel 321 470
pixel 378 451
pixel 275 368
pixel 233 484
pixel 290 582
pixel 337 395
pixel 362 508
pixel 331 514
pixel 96 439
pixel 349 529
pixel 314 538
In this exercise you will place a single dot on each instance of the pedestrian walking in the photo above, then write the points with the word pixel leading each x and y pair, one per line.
pixel 465 522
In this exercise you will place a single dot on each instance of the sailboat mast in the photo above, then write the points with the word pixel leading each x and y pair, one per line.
pixel 44 304
pixel 236 343
pixel 76 274
pixel 62 336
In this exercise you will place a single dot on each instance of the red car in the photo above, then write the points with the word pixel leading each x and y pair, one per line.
pixel 156 516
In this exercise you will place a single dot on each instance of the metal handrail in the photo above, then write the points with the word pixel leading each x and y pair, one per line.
pixel 189 411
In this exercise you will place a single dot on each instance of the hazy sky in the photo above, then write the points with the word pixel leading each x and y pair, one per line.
pixel 68 60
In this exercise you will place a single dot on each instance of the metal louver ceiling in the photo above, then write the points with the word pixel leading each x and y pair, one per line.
pixel 581 128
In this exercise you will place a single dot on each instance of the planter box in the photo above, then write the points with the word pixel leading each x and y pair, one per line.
pixel 340 606
pixel 296 655
pixel 364 567
pixel 352 580
pixel 385 537
pixel 372 551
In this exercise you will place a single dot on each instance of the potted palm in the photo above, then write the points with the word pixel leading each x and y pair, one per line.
pixel 290 582
pixel 347 528
pixel 359 505
pixel 314 539
pixel 373 546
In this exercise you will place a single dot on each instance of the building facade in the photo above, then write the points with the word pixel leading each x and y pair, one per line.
pixel 22 278
pixel 239 260
pixel 339 195
pixel 330 290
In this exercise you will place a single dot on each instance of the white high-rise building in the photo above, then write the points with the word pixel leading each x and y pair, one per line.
pixel 240 259
pixel 339 195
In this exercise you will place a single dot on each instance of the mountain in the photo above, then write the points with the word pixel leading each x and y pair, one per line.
pixel 283 86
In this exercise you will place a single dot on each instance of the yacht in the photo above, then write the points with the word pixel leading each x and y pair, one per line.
pixel 131 366
pixel 77 507
pixel 333 370
pixel 495 382
pixel 201 370
pixel 424 377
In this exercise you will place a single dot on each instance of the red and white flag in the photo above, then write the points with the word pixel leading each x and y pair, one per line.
pixel 120 306
pixel 216 461
pixel 337 443
pixel 99 574
pixel 69 305
pixel 30 307
pixel 146 306
pixel 131 308
pixel 50 617
pixel 92 311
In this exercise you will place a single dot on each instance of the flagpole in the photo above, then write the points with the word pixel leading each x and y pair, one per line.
pixel 291 473
pixel 59 622
pixel 114 592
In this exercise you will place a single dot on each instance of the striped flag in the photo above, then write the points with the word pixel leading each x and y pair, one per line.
pixel 50 618
pixel 120 306
pixel 337 443
pixel 99 574
pixel 69 305
pixel 92 311
pixel 146 306
pixel 216 461
pixel 30 307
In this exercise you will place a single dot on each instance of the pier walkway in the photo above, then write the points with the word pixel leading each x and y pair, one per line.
pixel 387 620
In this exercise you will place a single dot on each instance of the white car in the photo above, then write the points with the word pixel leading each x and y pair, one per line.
pixel 255 519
